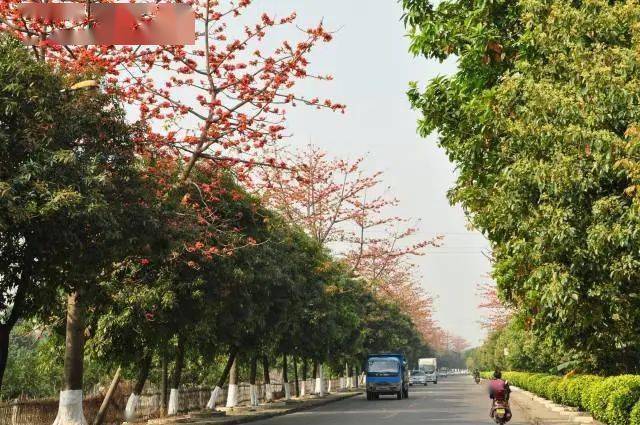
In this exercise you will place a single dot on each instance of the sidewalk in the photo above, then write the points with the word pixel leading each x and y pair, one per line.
pixel 540 411
pixel 244 414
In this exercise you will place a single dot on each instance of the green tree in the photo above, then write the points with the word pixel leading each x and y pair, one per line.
pixel 538 121
pixel 72 201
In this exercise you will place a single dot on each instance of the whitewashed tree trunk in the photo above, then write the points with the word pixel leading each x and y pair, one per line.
pixel 287 391
pixel 319 383
pixel 232 395
pixel 174 402
pixel 70 409
pixel 132 405
pixel 329 384
pixel 254 394
pixel 211 404
pixel 268 393
pixel 303 388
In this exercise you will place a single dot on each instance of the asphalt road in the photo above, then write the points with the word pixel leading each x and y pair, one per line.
pixel 454 400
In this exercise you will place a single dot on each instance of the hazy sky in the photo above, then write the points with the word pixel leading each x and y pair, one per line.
pixel 372 68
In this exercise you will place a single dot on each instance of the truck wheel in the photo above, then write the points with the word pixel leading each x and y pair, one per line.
pixel 369 396
pixel 406 393
pixel 399 395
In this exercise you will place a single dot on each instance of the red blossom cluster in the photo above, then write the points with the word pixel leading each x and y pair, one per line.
pixel 223 99
pixel 209 107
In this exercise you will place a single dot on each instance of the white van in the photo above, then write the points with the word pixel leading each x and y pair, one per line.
pixel 430 368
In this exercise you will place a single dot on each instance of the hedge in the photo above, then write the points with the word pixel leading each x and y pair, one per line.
pixel 614 400
pixel 635 415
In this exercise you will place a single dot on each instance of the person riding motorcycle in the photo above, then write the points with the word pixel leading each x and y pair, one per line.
pixel 476 375
pixel 499 392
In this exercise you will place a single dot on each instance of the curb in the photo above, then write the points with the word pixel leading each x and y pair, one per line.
pixel 296 409
pixel 268 415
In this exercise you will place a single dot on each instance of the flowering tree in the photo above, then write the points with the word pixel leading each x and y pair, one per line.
pixel 459 344
pixel 497 314
pixel 341 206
pixel 344 208
pixel 221 100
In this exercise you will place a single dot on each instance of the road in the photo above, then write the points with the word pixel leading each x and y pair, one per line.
pixel 455 400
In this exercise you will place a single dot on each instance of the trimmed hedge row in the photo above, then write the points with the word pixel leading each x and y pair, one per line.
pixel 614 400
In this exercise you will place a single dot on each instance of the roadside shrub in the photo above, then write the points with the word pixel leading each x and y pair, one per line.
pixel 519 379
pixel 614 400
pixel 549 386
pixel 622 401
pixel 543 385
pixel 634 418
pixel 560 394
pixel 577 386
pixel 601 394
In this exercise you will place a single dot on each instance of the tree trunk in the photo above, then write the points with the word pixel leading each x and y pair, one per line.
pixel 314 382
pixel 74 346
pixel 345 376
pixel 319 382
pixel 165 383
pixel 232 393
pixel 222 379
pixel 268 393
pixel 285 378
pixel 174 397
pixel 303 387
pixel 295 376
pixel 141 379
pixel 227 368
pixel 357 384
pixel 70 410
pixel 5 331
pixel 16 313
pixel 350 380
pixel 143 374
pixel 252 380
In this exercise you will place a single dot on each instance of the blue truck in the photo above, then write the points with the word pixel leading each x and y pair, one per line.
pixel 387 374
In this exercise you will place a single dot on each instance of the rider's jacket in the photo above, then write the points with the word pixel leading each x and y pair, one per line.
pixel 499 389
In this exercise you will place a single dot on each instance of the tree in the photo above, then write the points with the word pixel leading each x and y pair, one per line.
pixel 540 122
pixel 71 198
pixel 237 88
pixel 343 208
pixel 243 88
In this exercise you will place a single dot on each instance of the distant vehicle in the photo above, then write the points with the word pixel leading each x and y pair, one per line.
pixel 387 374
pixel 444 372
pixel 418 377
pixel 430 368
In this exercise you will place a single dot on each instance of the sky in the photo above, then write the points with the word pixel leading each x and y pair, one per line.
pixel 371 66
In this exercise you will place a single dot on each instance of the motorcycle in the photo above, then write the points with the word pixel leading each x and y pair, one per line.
pixel 477 379
pixel 500 412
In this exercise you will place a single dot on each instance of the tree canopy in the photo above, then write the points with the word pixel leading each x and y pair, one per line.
pixel 541 122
